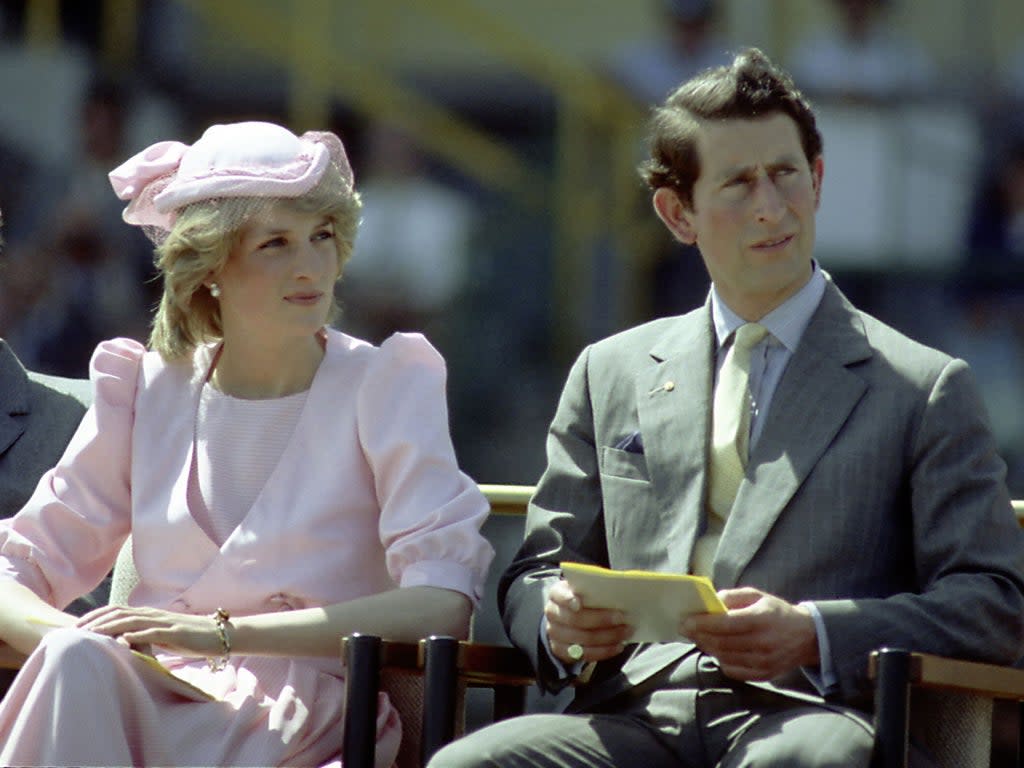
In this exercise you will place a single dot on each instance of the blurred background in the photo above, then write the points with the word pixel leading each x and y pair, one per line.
pixel 495 146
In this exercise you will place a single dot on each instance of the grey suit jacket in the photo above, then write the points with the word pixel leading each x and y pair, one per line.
pixel 875 490
pixel 38 416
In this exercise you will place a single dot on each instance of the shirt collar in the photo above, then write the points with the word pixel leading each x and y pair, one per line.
pixel 786 323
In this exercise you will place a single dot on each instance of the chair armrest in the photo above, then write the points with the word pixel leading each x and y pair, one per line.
pixel 930 671
pixel 488 664
pixel 479 664
pixel 445 664
pixel 507 499
pixel 502 668
pixel 895 672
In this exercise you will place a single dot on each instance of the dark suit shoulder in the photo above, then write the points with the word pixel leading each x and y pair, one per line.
pixel 62 390
pixel 38 435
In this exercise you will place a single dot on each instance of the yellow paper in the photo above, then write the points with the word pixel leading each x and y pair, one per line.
pixel 150 663
pixel 653 603
pixel 174 682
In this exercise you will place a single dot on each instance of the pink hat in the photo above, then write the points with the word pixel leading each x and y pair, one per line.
pixel 250 159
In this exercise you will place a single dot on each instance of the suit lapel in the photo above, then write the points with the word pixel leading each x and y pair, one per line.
pixel 14 397
pixel 814 399
pixel 673 407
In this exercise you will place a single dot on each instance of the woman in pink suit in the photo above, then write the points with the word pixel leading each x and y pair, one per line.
pixel 283 484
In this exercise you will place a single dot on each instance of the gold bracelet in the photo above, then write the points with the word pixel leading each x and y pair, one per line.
pixel 222 619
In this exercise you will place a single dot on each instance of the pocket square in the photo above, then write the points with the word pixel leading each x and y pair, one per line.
pixel 633 443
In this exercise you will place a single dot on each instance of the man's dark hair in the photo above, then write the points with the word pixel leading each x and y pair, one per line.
pixel 749 88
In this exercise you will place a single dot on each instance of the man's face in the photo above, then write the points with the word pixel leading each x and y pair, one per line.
pixel 753 211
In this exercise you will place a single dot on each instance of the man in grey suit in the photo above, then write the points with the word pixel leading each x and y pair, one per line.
pixel 872 510
pixel 38 416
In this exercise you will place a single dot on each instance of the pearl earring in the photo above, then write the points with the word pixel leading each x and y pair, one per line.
pixel 215 290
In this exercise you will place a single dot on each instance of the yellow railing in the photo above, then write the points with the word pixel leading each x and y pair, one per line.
pixel 596 185
pixel 507 499
pixel 325 73
pixel 42 22
pixel 590 192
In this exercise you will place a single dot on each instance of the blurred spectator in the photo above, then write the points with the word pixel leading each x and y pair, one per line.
pixel 80 21
pixel 413 247
pixel 990 291
pixel 689 43
pixel 423 262
pixel 649 70
pixel 1004 115
pixel 861 58
pixel 1015 74
pixel 40 413
pixel 80 277
pixel 996 236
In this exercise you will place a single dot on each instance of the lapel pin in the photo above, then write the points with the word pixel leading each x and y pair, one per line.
pixel 668 386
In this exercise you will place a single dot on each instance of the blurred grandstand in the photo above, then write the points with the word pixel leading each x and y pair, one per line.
pixel 511 108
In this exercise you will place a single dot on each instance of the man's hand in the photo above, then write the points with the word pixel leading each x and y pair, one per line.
pixel 600 633
pixel 760 638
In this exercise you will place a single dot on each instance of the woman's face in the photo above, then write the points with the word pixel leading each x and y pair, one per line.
pixel 279 279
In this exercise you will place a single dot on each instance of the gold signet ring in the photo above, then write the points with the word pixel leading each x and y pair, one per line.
pixel 575 651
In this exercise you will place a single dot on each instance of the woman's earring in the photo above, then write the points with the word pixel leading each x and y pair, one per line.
pixel 215 290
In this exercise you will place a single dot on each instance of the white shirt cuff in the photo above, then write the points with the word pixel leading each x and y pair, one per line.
pixel 824 677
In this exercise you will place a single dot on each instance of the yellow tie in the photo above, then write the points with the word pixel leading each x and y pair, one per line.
pixel 730 437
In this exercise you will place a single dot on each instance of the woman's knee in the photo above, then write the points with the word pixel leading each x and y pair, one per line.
pixel 75 651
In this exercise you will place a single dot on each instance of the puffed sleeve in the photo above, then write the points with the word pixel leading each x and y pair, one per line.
pixel 431 512
pixel 66 537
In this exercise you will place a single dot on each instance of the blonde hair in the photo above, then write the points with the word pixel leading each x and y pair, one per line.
pixel 202 238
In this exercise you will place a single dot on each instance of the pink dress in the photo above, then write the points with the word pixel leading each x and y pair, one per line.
pixel 366 496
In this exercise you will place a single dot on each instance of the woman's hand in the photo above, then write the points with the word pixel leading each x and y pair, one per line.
pixel 185 634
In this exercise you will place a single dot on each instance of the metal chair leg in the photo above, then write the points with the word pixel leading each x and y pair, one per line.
pixel 1020 734
pixel 440 674
pixel 362 662
pixel 892 709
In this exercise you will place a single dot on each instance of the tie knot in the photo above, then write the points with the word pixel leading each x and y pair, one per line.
pixel 748 335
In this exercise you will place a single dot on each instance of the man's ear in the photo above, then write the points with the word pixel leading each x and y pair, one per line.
pixel 676 216
pixel 817 174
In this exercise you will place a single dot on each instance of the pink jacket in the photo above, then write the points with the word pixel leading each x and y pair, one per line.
pixel 366 496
